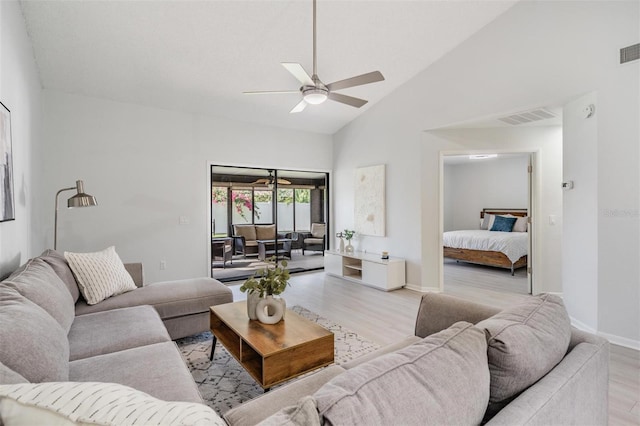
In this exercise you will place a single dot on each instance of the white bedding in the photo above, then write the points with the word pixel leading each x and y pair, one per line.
pixel 513 244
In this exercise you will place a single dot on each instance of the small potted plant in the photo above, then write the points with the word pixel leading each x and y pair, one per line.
pixel 348 235
pixel 261 304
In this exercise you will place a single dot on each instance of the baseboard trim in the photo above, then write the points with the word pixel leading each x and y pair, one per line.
pixel 582 326
pixel 422 289
pixel 612 338
pixel 621 341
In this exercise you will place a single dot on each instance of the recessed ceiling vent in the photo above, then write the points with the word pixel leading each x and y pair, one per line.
pixel 528 117
pixel 630 53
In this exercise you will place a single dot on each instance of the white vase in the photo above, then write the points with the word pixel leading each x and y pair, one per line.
pixel 341 245
pixel 252 302
pixel 349 247
pixel 270 310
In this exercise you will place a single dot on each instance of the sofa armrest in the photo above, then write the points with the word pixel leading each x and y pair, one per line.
pixel 303 235
pixel 439 311
pixel 137 273
pixel 574 392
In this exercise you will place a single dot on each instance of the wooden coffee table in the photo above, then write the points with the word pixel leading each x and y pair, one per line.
pixel 271 353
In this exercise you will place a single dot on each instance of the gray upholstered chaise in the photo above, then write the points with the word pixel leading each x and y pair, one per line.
pixel 49 333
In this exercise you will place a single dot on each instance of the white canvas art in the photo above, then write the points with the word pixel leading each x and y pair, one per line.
pixel 369 215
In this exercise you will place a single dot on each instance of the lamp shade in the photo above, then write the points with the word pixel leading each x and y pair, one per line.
pixel 81 199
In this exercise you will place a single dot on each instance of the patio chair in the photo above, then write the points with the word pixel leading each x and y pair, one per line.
pixel 315 240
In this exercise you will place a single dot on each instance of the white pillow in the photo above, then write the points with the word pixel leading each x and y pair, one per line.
pixel 99 275
pixel 488 220
pixel 90 403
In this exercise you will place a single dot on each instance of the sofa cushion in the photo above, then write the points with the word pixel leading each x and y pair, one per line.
pixel 60 266
pixel 258 409
pixel 119 329
pixel 33 344
pixel 265 232
pixel 304 413
pixel 313 240
pixel 95 403
pixel 525 343
pixel 100 274
pixel 9 377
pixel 37 281
pixel 444 379
pixel 156 369
pixel 170 298
pixel 246 231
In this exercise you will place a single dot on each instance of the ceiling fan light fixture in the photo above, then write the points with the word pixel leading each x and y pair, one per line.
pixel 315 95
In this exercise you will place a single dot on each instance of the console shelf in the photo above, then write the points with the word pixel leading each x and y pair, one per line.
pixel 366 269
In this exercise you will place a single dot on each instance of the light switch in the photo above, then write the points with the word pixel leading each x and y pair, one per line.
pixel 183 220
pixel 552 219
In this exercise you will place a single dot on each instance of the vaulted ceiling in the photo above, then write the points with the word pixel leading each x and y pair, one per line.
pixel 199 56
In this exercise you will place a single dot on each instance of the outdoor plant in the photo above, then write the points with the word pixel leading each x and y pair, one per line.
pixel 240 200
pixel 273 280
pixel 348 234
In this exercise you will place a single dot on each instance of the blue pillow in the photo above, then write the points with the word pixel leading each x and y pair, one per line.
pixel 503 224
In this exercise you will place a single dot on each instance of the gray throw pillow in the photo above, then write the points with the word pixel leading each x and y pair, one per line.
pixel 33 343
pixel 59 264
pixel 37 281
pixel 10 377
pixel 442 379
pixel 525 343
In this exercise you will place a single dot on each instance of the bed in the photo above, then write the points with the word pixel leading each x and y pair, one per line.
pixel 507 250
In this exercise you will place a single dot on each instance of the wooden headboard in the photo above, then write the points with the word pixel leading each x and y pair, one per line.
pixel 513 212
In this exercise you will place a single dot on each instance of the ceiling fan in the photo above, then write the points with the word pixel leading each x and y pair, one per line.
pixel 315 91
pixel 271 180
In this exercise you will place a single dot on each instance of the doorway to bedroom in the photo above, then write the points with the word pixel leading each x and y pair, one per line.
pixel 486 205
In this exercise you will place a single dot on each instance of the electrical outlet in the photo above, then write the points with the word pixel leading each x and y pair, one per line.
pixel 163 265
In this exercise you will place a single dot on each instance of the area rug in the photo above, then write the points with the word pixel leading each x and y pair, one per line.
pixel 224 384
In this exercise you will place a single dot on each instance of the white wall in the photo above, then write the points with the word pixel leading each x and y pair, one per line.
pixel 535 54
pixel 581 267
pixel 147 167
pixel 20 92
pixel 490 183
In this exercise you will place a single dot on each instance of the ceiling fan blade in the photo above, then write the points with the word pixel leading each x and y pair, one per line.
pixel 283 182
pixel 299 73
pixel 271 92
pixel 265 181
pixel 298 108
pixel 349 100
pixel 359 80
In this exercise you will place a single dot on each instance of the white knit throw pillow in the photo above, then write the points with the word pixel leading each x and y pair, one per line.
pixel 99 275
pixel 91 403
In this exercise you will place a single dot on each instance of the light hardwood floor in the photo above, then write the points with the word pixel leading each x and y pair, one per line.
pixel 388 317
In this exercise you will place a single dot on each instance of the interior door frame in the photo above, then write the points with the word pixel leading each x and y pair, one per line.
pixel 532 208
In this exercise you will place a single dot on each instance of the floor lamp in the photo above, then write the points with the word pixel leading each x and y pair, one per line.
pixel 79 200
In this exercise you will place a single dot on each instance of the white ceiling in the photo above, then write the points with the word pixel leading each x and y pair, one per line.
pixel 199 56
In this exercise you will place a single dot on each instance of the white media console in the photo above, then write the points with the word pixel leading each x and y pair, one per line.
pixel 365 268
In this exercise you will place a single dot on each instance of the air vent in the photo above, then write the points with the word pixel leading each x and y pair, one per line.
pixel 630 53
pixel 528 116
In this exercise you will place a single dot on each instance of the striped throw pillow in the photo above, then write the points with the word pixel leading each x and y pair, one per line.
pixel 91 403
pixel 99 275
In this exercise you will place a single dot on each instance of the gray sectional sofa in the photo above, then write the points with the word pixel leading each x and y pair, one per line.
pixel 466 364
pixel 50 334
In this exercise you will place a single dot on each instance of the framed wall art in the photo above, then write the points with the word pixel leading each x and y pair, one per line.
pixel 369 215
pixel 7 205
